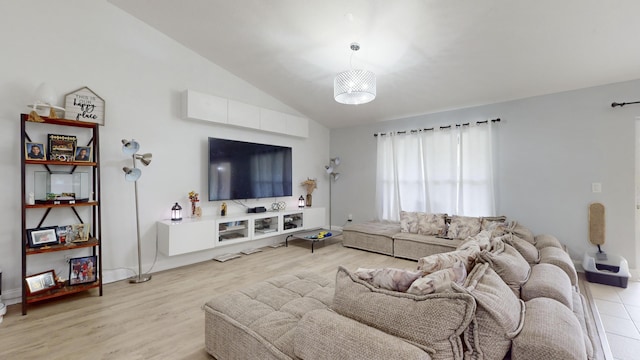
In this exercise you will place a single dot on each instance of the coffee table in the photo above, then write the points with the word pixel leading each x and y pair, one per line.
pixel 313 236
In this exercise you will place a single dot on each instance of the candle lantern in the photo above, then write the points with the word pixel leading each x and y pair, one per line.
pixel 301 202
pixel 176 212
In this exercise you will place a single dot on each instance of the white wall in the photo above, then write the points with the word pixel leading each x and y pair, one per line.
pixel 550 149
pixel 141 74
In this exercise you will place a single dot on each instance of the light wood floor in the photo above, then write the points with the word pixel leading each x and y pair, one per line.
pixel 160 319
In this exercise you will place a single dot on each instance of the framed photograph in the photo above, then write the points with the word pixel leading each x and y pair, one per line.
pixel 82 270
pixel 83 153
pixel 63 232
pixel 42 236
pixel 40 282
pixel 35 151
pixel 79 233
pixel 62 147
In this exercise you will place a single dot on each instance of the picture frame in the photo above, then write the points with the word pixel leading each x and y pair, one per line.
pixel 44 236
pixel 64 233
pixel 82 270
pixel 79 233
pixel 35 151
pixel 62 147
pixel 83 153
pixel 40 282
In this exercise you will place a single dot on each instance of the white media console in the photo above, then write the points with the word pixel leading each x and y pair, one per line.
pixel 197 234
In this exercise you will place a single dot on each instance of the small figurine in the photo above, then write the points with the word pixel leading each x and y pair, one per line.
pixel 31 200
pixel 223 209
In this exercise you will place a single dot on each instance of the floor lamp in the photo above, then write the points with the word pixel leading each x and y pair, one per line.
pixel 333 176
pixel 131 147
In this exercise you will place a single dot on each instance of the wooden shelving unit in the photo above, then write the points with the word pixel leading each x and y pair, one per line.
pixel 95 241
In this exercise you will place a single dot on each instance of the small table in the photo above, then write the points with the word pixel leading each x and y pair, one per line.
pixel 313 236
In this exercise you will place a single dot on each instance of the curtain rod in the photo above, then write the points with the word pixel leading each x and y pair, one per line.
pixel 614 104
pixel 441 127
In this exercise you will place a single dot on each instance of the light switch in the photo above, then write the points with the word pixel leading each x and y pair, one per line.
pixel 596 187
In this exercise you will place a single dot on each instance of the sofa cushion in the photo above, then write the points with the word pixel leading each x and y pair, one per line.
pixel 433 322
pixel 389 278
pixel 461 227
pixel 508 264
pixel 409 222
pixel 432 224
pixel 544 240
pixel 551 331
pixel 440 280
pixel 528 251
pixel 559 258
pixel 521 231
pixel 498 317
pixel 323 334
pixel 259 321
pixel 548 281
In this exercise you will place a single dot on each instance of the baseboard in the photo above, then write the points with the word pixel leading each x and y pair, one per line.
pixel 10 297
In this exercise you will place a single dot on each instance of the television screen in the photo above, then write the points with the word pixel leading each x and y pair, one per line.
pixel 244 170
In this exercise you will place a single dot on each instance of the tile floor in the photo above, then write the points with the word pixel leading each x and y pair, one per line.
pixel 620 313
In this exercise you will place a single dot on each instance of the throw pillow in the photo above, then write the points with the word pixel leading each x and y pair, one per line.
pixel 525 248
pixel 389 278
pixel 431 224
pixel 409 222
pixel 440 280
pixel 548 281
pixel 481 241
pixel 544 240
pixel 559 258
pixel 461 227
pixel 498 318
pixel 497 225
pixel 508 264
pixel 521 232
pixel 432 322
pixel 432 263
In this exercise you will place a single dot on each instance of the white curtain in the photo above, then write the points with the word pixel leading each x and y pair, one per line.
pixel 440 171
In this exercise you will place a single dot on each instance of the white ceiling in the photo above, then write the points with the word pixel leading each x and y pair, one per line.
pixel 428 55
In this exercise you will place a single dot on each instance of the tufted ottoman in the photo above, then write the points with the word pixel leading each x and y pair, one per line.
pixel 259 322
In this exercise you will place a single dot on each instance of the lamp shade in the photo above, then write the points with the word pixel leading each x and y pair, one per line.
pixel 130 147
pixel 131 174
pixel 336 160
pixel 328 169
pixel 145 159
pixel 176 212
pixel 354 87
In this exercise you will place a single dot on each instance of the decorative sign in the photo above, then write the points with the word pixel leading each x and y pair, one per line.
pixel 84 105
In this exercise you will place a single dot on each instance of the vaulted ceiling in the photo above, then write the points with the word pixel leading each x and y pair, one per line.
pixel 428 55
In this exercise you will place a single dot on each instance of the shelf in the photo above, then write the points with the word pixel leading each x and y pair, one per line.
pixel 64 122
pixel 44 206
pixel 60 163
pixel 63 247
pixel 62 291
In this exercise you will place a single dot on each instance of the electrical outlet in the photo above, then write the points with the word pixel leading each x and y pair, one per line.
pixel 350 218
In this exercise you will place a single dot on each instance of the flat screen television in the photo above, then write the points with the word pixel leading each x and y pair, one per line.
pixel 244 170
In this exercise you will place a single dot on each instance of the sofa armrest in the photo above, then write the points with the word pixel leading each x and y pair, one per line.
pixel 324 334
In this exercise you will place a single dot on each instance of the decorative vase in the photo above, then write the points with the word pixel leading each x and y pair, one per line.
pixel 193 207
pixel 308 202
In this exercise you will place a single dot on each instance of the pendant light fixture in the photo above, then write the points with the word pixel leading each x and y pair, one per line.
pixel 354 86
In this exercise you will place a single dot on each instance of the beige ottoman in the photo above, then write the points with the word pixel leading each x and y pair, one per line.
pixel 376 236
pixel 259 322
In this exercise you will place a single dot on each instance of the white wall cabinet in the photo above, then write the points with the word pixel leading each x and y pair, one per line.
pixel 197 234
pixel 205 107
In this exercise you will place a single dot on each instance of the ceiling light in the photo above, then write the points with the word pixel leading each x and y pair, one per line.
pixel 354 86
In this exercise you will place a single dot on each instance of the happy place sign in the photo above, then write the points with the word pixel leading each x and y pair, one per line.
pixel 84 105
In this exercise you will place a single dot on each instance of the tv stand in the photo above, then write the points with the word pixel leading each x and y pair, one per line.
pixel 206 233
